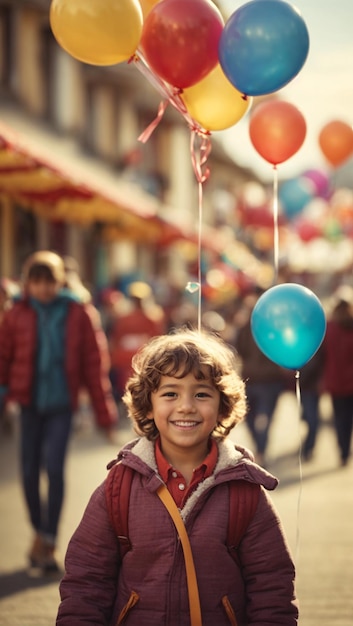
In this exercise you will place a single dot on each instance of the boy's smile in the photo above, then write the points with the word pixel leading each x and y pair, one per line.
pixel 185 411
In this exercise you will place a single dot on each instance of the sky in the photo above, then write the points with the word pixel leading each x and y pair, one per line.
pixel 322 90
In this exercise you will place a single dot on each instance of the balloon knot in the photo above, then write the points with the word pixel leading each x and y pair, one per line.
pixel 201 132
pixel 134 58
pixel 245 97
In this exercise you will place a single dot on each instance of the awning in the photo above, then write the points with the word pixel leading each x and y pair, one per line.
pixel 48 176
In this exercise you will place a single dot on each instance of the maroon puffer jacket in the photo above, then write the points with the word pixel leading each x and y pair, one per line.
pixel 86 357
pixel 149 588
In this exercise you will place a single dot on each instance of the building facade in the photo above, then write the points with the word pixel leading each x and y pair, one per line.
pixel 76 178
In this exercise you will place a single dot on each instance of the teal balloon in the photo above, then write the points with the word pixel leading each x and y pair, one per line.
pixel 263 45
pixel 294 194
pixel 288 324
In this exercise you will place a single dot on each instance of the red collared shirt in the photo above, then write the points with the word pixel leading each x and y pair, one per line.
pixel 176 482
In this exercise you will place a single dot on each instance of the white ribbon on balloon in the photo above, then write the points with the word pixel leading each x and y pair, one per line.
pixel 275 226
pixel 300 409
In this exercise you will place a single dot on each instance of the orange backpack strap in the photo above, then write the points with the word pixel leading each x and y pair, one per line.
pixel 117 494
pixel 243 501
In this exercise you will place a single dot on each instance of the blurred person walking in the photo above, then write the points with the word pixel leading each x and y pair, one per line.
pixel 51 346
pixel 264 380
pixel 338 367
pixel 310 384
pixel 8 291
pixel 130 331
pixel 73 281
pixel 310 391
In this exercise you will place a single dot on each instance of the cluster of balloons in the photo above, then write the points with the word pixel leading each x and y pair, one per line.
pixel 329 219
pixel 335 140
pixel 216 67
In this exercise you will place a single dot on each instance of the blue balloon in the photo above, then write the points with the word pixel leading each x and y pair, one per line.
pixel 263 45
pixel 294 194
pixel 288 324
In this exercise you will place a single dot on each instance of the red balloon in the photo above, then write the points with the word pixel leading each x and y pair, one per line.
pixel 336 142
pixel 307 230
pixel 180 40
pixel 277 130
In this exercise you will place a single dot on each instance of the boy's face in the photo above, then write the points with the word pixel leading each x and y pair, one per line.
pixel 42 289
pixel 185 411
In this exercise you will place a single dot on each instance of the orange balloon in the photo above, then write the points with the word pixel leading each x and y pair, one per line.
pixel 277 130
pixel 336 142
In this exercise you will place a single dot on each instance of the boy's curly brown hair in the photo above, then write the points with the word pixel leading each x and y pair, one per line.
pixel 177 354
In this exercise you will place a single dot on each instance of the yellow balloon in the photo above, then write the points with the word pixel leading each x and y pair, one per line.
pixel 99 32
pixel 214 102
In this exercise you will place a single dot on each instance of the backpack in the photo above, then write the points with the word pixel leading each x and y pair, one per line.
pixel 243 500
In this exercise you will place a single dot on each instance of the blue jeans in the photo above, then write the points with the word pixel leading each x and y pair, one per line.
pixel 261 399
pixel 44 439
pixel 310 414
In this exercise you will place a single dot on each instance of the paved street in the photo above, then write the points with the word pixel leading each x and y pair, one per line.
pixel 315 500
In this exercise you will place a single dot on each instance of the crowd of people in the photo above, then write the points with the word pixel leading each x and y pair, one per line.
pixel 329 371
pixel 57 338
pixel 266 382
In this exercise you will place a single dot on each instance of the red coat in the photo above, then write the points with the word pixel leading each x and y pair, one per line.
pixel 129 334
pixel 338 358
pixel 86 357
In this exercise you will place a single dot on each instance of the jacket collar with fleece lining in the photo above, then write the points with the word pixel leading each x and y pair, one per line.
pixel 234 463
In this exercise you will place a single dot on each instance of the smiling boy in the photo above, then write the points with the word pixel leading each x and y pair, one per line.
pixel 184 397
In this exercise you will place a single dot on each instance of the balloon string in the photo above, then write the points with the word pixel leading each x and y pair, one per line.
pixel 298 395
pixel 145 135
pixel 199 159
pixel 199 255
pixel 157 82
pixel 170 93
pixel 275 225
pixel 200 155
